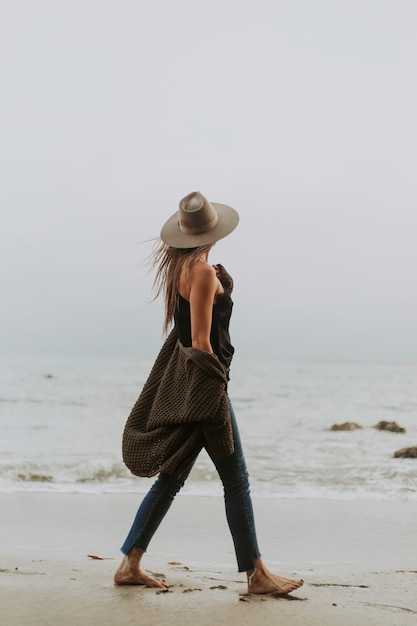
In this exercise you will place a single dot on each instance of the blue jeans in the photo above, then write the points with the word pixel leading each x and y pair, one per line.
pixel 239 512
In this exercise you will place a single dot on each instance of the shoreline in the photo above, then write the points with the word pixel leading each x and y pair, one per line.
pixel 358 560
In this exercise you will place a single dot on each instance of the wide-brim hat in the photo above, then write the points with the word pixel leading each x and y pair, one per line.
pixel 198 222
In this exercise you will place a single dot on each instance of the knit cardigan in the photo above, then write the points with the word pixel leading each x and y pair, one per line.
pixel 182 408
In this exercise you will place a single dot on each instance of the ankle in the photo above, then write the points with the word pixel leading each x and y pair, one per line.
pixel 134 556
pixel 250 576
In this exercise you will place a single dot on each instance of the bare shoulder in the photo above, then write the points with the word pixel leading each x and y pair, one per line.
pixel 204 270
pixel 203 274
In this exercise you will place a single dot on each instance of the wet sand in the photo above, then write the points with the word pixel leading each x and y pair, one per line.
pixel 358 560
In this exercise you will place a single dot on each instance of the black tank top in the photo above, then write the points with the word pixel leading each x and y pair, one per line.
pixel 222 311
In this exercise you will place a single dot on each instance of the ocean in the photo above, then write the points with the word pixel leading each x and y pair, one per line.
pixel 62 420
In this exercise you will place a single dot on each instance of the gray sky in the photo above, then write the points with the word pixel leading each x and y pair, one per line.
pixel 300 114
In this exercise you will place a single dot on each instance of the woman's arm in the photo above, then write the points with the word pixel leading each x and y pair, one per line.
pixel 204 285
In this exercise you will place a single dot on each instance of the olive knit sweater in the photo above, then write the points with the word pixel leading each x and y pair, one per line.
pixel 182 408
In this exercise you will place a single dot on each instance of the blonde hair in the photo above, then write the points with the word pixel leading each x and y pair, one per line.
pixel 168 263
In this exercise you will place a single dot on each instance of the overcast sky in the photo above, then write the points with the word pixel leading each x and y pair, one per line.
pixel 301 114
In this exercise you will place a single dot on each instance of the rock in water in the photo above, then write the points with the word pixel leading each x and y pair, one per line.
pixel 391 426
pixel 406 453
pixel 346 426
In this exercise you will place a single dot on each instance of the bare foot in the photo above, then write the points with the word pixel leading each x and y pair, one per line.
pixel 130 573
pixel 263 581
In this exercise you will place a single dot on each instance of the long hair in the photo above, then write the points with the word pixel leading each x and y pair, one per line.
pixel 168 263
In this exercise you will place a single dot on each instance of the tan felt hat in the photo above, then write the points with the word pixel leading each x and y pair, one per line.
pixel 198 222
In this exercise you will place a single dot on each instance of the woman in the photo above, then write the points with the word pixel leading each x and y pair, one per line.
pixel 198 300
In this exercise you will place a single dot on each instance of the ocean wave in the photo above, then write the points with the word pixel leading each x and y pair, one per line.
pixel 106 475
pixel 63 474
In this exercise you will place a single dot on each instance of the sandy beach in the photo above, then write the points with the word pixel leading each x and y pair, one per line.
pixel 358 560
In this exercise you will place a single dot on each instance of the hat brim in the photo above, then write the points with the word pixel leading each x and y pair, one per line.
pixel 174 237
